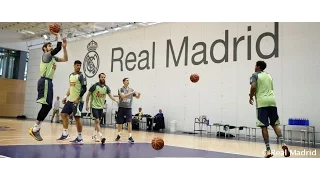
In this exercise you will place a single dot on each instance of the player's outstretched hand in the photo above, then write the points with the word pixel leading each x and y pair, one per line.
pixel 54 33
pixel 64 42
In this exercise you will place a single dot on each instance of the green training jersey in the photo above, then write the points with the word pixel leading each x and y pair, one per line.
pixel 264 89
pixel 76 82
pixel 98 96
pixel 48 65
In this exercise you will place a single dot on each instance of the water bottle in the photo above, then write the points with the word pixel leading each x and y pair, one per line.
pixel 305 122
pixel 294 121
pixel 290 121
pixel 208 122
pixel 308 123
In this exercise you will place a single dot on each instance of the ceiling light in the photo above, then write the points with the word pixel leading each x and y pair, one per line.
pixel 142 24
pixel 127 26
pixel 153 23
pixel 30 32
pixel 98 33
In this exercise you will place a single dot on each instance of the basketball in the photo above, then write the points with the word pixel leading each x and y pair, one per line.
pixel 54 27
pixel 194 78
pixel 157 143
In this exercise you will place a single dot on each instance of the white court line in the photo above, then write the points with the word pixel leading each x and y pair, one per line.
pixel 1 156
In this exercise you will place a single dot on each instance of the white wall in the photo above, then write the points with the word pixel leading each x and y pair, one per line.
pixel 222 92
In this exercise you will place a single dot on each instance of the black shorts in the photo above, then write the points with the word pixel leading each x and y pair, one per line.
pixel 124 115
pixel 96 114
pixel 45 91
pixel 70 108
pixel 267 116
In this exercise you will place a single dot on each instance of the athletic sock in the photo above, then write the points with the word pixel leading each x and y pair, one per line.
pixel 36 127
pixel 130 135
pixel 100 134
pixel 281 140
pixel 119 133
pixel 79 136
pixel 65 132
pixel 267 144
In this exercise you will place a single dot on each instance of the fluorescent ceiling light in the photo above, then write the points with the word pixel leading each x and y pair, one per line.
pixel 116 29
pixel 127 26
pixel 153 23
pixel 142 24
pixel 101 32
pixel 30 32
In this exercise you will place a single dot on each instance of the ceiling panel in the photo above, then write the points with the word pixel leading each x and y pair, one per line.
pixel 31 31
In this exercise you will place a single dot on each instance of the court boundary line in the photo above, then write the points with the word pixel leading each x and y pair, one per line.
pixel 2 156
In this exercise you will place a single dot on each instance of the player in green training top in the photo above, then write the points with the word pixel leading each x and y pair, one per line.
pixel 74 105
pixel 267 113
pixel 98 93
pixel 45 85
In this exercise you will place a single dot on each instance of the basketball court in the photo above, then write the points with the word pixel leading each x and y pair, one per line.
pixel 15 142
pixel 214 87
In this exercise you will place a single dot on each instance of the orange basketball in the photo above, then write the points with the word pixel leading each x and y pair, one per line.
pixel 194 78
pixel 157 143
pixel 54 27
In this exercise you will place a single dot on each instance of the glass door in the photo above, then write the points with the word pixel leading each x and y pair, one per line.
pixel 3 64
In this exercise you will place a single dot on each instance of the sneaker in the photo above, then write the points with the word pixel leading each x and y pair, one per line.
pixel 98 139
pixel 77 141
pixel 95 139
pixel 131 140
pixel 103 140
pixel 35 135
pixel 63 138
pixel 268 154
pixel 118 138
pixel 286 152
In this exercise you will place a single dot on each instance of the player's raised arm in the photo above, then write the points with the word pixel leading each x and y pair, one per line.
pixel 65 53
pixel 56 50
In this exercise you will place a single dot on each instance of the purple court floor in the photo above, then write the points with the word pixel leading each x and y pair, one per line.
pixel 108 150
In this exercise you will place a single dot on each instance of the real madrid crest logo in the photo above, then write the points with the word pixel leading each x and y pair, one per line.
pixel 91 60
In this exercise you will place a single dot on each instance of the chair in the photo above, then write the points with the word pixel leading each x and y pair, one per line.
pixel 86 116
pixel 159 124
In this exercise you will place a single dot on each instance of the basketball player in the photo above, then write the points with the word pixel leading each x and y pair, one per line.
pixel 98 93
pixel 78 87
pixel 45 85
pixel 267 113
pixel 126 95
